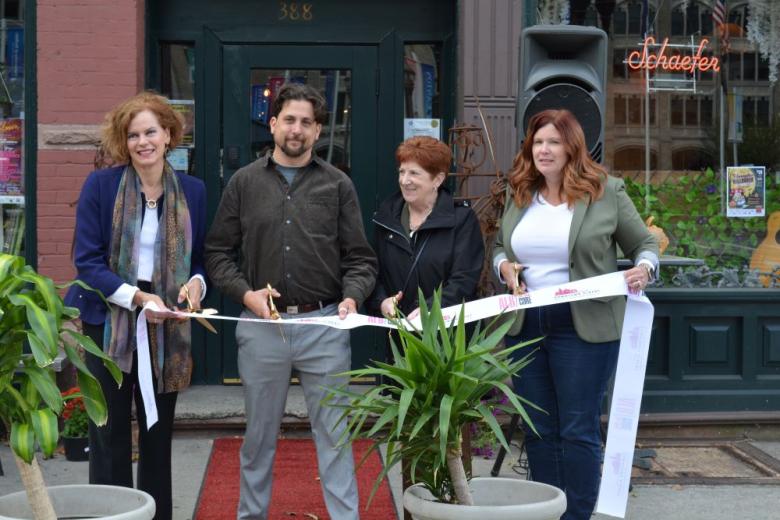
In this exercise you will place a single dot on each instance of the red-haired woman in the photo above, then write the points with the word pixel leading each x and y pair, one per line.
pixel 424 239
pixel 563 223
pixel 139 237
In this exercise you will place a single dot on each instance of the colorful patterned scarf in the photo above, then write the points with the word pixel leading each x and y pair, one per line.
pixel 169 342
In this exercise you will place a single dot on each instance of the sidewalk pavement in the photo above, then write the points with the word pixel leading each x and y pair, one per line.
pixel 191 449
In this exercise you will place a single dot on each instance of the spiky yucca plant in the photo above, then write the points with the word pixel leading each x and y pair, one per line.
pixel 435 385
pixel 32 318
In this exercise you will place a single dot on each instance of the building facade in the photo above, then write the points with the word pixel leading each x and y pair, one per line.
pixel 390 68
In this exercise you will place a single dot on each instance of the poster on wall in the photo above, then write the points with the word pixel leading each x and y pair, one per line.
pixel 11 173
pixel 746 188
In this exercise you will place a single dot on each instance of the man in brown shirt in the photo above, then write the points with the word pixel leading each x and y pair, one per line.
pixel 292 220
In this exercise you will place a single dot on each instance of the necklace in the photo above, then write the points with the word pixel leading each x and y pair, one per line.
pixel 422 220
pixel 151 203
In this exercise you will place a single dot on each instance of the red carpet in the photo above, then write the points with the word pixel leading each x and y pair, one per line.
pixel 296 491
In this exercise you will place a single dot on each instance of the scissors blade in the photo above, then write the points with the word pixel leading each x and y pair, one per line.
pixel 205 323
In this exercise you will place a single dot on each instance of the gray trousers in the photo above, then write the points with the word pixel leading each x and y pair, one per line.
pixel 265 363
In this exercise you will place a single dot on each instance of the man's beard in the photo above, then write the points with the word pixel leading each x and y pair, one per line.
pixel 294 152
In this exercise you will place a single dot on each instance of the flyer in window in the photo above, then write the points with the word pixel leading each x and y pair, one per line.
pixel 746 188
pixel 186 107
pixel 419 126
pixel 11 173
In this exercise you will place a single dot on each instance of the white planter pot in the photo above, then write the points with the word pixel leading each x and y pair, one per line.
pixel 85 501
pixel 494 499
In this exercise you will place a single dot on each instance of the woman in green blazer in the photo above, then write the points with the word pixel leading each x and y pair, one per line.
pixel 564 222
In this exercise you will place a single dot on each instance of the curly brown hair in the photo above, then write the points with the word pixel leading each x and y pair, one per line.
pixel 431 154
pixel 113 138
pixel 581 175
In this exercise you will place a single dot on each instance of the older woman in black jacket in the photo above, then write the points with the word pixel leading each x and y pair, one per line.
pixel 424 239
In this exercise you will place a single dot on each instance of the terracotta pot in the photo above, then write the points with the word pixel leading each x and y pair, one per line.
pixel 76 448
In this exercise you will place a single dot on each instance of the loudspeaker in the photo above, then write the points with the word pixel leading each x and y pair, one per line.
pixel 564 66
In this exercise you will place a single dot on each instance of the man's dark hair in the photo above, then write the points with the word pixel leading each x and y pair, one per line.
pixel 299 92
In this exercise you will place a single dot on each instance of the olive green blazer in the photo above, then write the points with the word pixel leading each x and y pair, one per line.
pixel 596 230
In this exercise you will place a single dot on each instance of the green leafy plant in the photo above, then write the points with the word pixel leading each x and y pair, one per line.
pixel 32 331
pixel 689 208
pixel 436 384
pixel 75 421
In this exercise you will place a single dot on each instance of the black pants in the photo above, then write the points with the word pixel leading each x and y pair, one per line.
pixel 110 446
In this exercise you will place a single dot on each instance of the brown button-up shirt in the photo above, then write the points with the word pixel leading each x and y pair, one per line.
pixel 306 239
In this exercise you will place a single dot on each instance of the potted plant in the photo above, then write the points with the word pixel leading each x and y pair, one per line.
pixel 32 331
pixel 75 426
pixel 437 384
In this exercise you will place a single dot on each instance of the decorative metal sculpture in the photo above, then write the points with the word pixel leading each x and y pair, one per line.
pixel 471 146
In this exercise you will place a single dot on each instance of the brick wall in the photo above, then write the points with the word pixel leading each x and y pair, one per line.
pixel 90 56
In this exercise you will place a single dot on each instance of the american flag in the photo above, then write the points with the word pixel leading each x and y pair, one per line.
pixel 719 12
pixel 720 17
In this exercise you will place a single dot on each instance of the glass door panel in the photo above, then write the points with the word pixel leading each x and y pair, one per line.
pixel 334 84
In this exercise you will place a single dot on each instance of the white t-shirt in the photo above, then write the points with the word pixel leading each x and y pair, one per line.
pixel 540 241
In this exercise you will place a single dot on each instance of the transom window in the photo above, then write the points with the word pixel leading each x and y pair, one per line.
pixel 696 20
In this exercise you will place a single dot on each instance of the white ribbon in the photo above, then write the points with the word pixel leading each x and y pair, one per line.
pixel 612 284
pixel 629 379
pixel 624 409
pixel 145 366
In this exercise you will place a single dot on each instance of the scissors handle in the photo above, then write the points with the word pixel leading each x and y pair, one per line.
pixel 517 268
pixel 190 308
pixel 274 313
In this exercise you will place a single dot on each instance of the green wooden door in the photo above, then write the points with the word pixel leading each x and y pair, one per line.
pixel 347 75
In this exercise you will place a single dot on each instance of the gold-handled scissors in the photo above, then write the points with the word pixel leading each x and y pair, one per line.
pixel 191 309
pixel 517 268
pixel 273 311
pixel 394 299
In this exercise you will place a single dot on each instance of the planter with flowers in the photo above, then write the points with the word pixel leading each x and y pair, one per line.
pixel 75 426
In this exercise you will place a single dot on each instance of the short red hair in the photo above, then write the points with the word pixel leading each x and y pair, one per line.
pixel 431 154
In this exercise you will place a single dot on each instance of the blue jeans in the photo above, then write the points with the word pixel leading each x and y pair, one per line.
pixel 567 378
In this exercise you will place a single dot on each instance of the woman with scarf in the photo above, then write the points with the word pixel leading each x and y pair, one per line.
pixel 139 238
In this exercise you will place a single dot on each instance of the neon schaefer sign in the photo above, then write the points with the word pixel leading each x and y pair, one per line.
pixel 651 59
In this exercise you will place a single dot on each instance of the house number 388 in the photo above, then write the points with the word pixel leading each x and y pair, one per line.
pixel 295 11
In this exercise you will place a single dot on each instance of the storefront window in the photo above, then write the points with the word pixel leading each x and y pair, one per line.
pixel 12 193
pixel 178 85
pixel 712 181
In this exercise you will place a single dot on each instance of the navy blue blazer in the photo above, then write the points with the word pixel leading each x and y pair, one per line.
pixel 93 238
